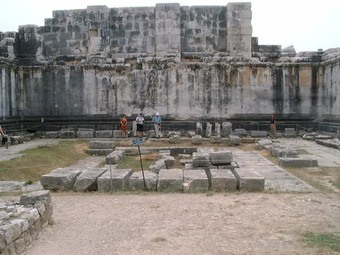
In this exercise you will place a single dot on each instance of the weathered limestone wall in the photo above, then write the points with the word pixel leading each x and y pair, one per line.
pixel 177 90
pixel 115 33
pixel 185 62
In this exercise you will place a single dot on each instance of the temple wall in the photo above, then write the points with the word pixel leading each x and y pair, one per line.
pixel 122 33
pixel 181 91
pixel 184 62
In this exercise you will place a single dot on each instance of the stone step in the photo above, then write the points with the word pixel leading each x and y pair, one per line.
pixel 248 179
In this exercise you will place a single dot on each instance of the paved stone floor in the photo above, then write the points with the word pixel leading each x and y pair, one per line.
pixel 276 178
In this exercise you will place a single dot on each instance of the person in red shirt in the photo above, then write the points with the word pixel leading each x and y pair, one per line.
pixel 123 126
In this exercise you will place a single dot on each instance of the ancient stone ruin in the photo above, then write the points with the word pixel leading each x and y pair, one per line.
pixel 187 62
pixel 23 220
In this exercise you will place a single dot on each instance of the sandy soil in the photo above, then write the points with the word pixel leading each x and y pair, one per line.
pixel 153 223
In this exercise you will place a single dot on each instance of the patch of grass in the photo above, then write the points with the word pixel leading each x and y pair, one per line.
pixel 133 162
pixel 324 240
pixel 337 182
pixel 41 160
pixel 28 182
pixel 315 177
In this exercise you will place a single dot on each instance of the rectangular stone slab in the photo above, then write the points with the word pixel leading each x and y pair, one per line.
pixel 195 181
pixel 221 157
pixel 222 180
pixel 120 179
pixel 200 159
pixel 248 179
pixel 136 181
pixel 87 180
pixel 60 179
pixel 298 162
pixel 170 180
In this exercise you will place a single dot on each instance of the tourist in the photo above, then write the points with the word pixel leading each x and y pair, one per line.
pixel 123 126
pixel 273 127
pixel 4 139
pixel 140 125
pixel 156 120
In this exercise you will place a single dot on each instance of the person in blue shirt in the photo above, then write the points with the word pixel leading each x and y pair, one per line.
pixel 156 120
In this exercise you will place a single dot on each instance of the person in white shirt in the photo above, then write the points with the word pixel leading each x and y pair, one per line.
pixel 140 125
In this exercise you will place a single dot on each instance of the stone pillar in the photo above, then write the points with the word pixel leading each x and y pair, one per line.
pixel 199 128
pixel 134 128
pixel 217 129
pixel 226 129
pixel 208 130
pixel 168 33
pixel 239 29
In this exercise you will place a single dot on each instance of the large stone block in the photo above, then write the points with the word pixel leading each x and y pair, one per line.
pixel 260 145
pixel 200 159
pixel 117 133
pixel 248 179
pixel 115 157
pixel 222 180
pixel 298 162
pixel 234 140
pixel 97 144
pixel 175 139
pixel 289 133
pixel 115 180
pixel 169 161
pixel 258 133
pixel 226 129
pixel 136 181
pixel 60 179
pixel 87 180
pixel 197 139
pixel 68 134
pixel 104 133
pixel 156 166
pixel 85 133
pixel 195 181
pixel 170 180
pixel 241 132
pixel 278 151
pixel 221 157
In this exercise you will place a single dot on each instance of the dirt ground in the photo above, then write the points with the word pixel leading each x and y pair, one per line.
pixel 231 223
pixel 214 223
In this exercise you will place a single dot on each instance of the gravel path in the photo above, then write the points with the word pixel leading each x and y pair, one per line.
pixel 232 223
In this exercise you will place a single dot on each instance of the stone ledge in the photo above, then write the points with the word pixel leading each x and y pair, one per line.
pixel 298 162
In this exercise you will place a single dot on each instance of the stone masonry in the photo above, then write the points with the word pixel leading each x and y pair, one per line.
pixel 186 62
pixel 22 221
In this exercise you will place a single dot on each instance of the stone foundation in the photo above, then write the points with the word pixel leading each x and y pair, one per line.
pixel 22 222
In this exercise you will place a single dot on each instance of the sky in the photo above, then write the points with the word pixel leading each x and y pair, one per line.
pixel 307 25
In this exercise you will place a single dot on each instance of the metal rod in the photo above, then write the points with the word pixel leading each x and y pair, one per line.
pixel 111 173
pixel 141 165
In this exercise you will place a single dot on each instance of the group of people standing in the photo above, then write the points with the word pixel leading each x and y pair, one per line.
pixel 156 120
